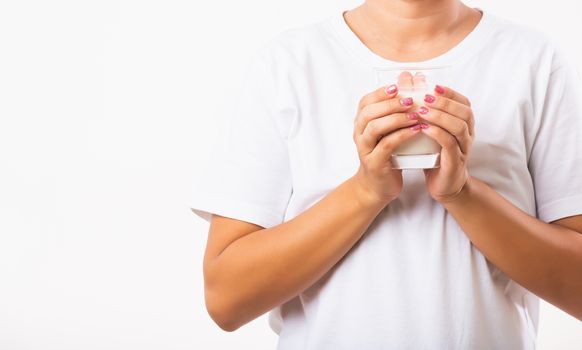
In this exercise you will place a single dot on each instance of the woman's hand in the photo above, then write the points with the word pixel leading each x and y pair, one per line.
pixel 452 125
pixel 381 124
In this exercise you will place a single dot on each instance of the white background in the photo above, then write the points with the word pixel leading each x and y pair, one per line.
pixel 107 111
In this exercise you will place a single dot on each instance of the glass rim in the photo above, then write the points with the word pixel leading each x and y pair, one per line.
pixel 403 68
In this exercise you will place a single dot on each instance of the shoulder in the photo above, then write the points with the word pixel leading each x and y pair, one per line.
pixel 530 43
pixel 294 46
pixel 513 30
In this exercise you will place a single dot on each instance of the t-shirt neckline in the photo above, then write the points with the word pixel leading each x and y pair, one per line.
pixel 463 49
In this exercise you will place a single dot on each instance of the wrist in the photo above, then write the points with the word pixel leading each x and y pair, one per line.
pixel 366 196
pixel 462 195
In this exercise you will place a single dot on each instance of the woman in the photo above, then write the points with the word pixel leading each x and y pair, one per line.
pixel 310 222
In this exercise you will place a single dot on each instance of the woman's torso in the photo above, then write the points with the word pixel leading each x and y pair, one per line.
pixel 414 280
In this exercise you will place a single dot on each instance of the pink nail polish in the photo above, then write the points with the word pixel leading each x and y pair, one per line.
pixel 423 110
pixel 406 101
pixel 423 126
pixel 413 116
pixel 416 127
pixel 429 98
pixel 391 89
pixel 439 89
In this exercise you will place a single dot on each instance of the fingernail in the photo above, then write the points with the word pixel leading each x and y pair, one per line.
pixel 423 126
pixel 391 89
pixel 429 98
pixel 413 116
pixel 416 127
pixel 406 101
pixel 423 110
pixel 439 89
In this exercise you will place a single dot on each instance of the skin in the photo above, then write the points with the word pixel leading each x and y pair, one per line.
pixel 249 269
pixel 412 30
pixel 545 258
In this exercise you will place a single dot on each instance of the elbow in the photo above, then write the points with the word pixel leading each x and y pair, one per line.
pixel 217 306
pixel 223 302
pixel 225 323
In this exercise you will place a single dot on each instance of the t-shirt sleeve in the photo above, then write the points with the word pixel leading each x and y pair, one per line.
pixel 248 177
pixel 556 157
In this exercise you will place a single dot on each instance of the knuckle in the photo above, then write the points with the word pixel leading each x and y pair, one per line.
pixel 365 122
pixel 464 128
pixel 387 143
pixel 436 114
pixel 402 119
pixel 373 128
pixel 359 142
pixel 466 116
pixel 460 130
pixel 391 106
pixel 365 111
pixel 397 138
pixel 362 102
pixel 443 136
pixel 357 124
pixel 445 103
pixel 449 141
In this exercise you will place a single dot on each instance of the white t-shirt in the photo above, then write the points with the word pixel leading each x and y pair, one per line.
pixel 414 280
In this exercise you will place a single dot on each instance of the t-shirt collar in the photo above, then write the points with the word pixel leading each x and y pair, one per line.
pixel 462 50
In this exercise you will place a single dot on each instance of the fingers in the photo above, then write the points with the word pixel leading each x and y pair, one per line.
pixel 454 108
pixel 447 141
pixel 377 128
pixel 380 109
pixel 451 94
pixel 378 95
pixel 384 149
pixel 454 126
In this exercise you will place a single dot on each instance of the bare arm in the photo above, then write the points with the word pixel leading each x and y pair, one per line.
pixel 544 258
pixel 269 266
pixel 248 269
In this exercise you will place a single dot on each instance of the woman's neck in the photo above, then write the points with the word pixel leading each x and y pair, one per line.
pixel 411 30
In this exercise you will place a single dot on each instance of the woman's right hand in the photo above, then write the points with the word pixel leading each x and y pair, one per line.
pixel 242 280
pixel 381 124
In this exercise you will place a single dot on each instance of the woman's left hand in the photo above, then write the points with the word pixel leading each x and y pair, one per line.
pixel 451 124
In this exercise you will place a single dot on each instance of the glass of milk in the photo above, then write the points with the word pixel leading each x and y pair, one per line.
pixel 419 152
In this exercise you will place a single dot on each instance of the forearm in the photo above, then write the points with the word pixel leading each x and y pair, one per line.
pixel 268 267
pixel 544 258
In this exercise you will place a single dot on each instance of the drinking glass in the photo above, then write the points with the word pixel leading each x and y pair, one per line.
pixel 419 152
